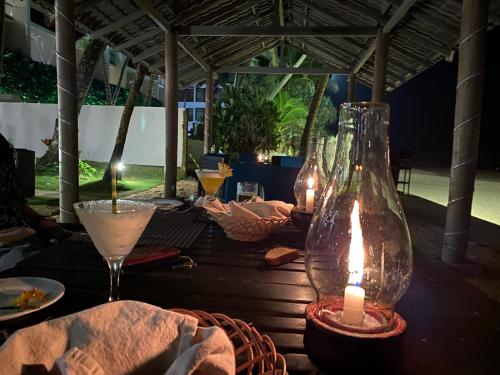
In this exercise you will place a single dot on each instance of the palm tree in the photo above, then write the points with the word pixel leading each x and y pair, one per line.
pixel 125 120
pixel 84 75
pixel 293 114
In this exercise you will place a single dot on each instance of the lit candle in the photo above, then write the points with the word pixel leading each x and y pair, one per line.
pixel 354 295
pixel 260 158
pixel 310 195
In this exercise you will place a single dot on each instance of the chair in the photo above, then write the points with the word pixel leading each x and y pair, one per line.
pixel 401 165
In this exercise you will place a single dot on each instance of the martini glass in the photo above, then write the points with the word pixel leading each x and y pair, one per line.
pixel 114 234
pixel 211 180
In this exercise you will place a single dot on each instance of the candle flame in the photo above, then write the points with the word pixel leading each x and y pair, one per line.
pixel 356 252
pixel 310 181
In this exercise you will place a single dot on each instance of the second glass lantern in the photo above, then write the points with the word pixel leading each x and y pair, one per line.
pixel 311 179
pixel 309 185
pixel 358 253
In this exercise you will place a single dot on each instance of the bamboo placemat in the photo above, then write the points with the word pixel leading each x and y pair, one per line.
pixel 170 229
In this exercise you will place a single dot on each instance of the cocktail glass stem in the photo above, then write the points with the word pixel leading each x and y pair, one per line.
pixel 115 266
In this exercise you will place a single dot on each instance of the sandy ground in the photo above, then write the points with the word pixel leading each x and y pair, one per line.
pixel 427 223
pixel 186 189
pixel 433 184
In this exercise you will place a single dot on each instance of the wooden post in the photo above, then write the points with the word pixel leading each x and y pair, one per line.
pixel 351 89
pixel 381 52
pixel 67 108
pixel 171 131
pixel 209 111
pixel 468 107
pixel 2 31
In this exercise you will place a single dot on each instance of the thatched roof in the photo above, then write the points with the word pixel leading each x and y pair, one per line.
pixel 423 32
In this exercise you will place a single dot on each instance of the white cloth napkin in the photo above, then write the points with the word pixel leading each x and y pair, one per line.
pixel 124 337
pixel 257 209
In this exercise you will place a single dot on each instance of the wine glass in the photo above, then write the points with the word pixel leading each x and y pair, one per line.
pixel 114 232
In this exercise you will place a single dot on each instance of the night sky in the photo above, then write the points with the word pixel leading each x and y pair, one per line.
pixel 422 111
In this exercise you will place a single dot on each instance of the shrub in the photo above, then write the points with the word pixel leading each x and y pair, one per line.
pixel 245 121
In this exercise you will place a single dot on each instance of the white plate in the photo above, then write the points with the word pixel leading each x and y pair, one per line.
pixel 166 204
pixel 10 289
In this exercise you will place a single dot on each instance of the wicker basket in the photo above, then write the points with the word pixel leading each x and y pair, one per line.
pixel 248 229
pixel 255 353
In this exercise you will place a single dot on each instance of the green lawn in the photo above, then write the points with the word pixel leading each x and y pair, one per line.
pixel 135 178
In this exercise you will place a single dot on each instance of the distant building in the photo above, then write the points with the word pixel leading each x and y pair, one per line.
pixel 31 33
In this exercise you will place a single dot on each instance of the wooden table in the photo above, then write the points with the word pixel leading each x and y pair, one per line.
pixel 452 326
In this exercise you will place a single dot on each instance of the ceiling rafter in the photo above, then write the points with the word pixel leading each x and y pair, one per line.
pixel 194 11
pixel 166 26
pixel 116 25
pixel 246 31
pixel 397 16
pixel 281 70
pixel 149 34
pixel 237 58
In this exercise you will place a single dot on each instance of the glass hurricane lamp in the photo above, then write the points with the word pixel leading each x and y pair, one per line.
pixel 311 179
pixel 358 253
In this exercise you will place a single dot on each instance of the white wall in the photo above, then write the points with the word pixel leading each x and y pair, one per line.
pixel 25 124
pixel 43 44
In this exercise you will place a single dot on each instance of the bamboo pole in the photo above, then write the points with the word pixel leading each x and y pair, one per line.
pixel 209 111
pixel 381 53
pixel 171 131
pixel 351 89
pixel 67 109
pixel 468 107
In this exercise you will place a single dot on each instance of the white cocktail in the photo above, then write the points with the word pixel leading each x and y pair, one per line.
pixel 114 234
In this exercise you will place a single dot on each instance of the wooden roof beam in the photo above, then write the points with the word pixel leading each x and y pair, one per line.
pixel 320 55
pixel 317 45
pixel 238 58
pixel 158 18
pixel 250 51
pixel 221 17
pixel 324 11
pixel 397 16
pixel 83 6
pixel 150 51
pixel 273 31
pixel 196 10
pixel 281 70
pixel 113 26
pixel 148 34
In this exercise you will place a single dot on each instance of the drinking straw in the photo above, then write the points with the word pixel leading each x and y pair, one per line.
pixel 113 188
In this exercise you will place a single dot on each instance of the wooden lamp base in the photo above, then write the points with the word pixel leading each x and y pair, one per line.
pixel 301 219
pixel 333 349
